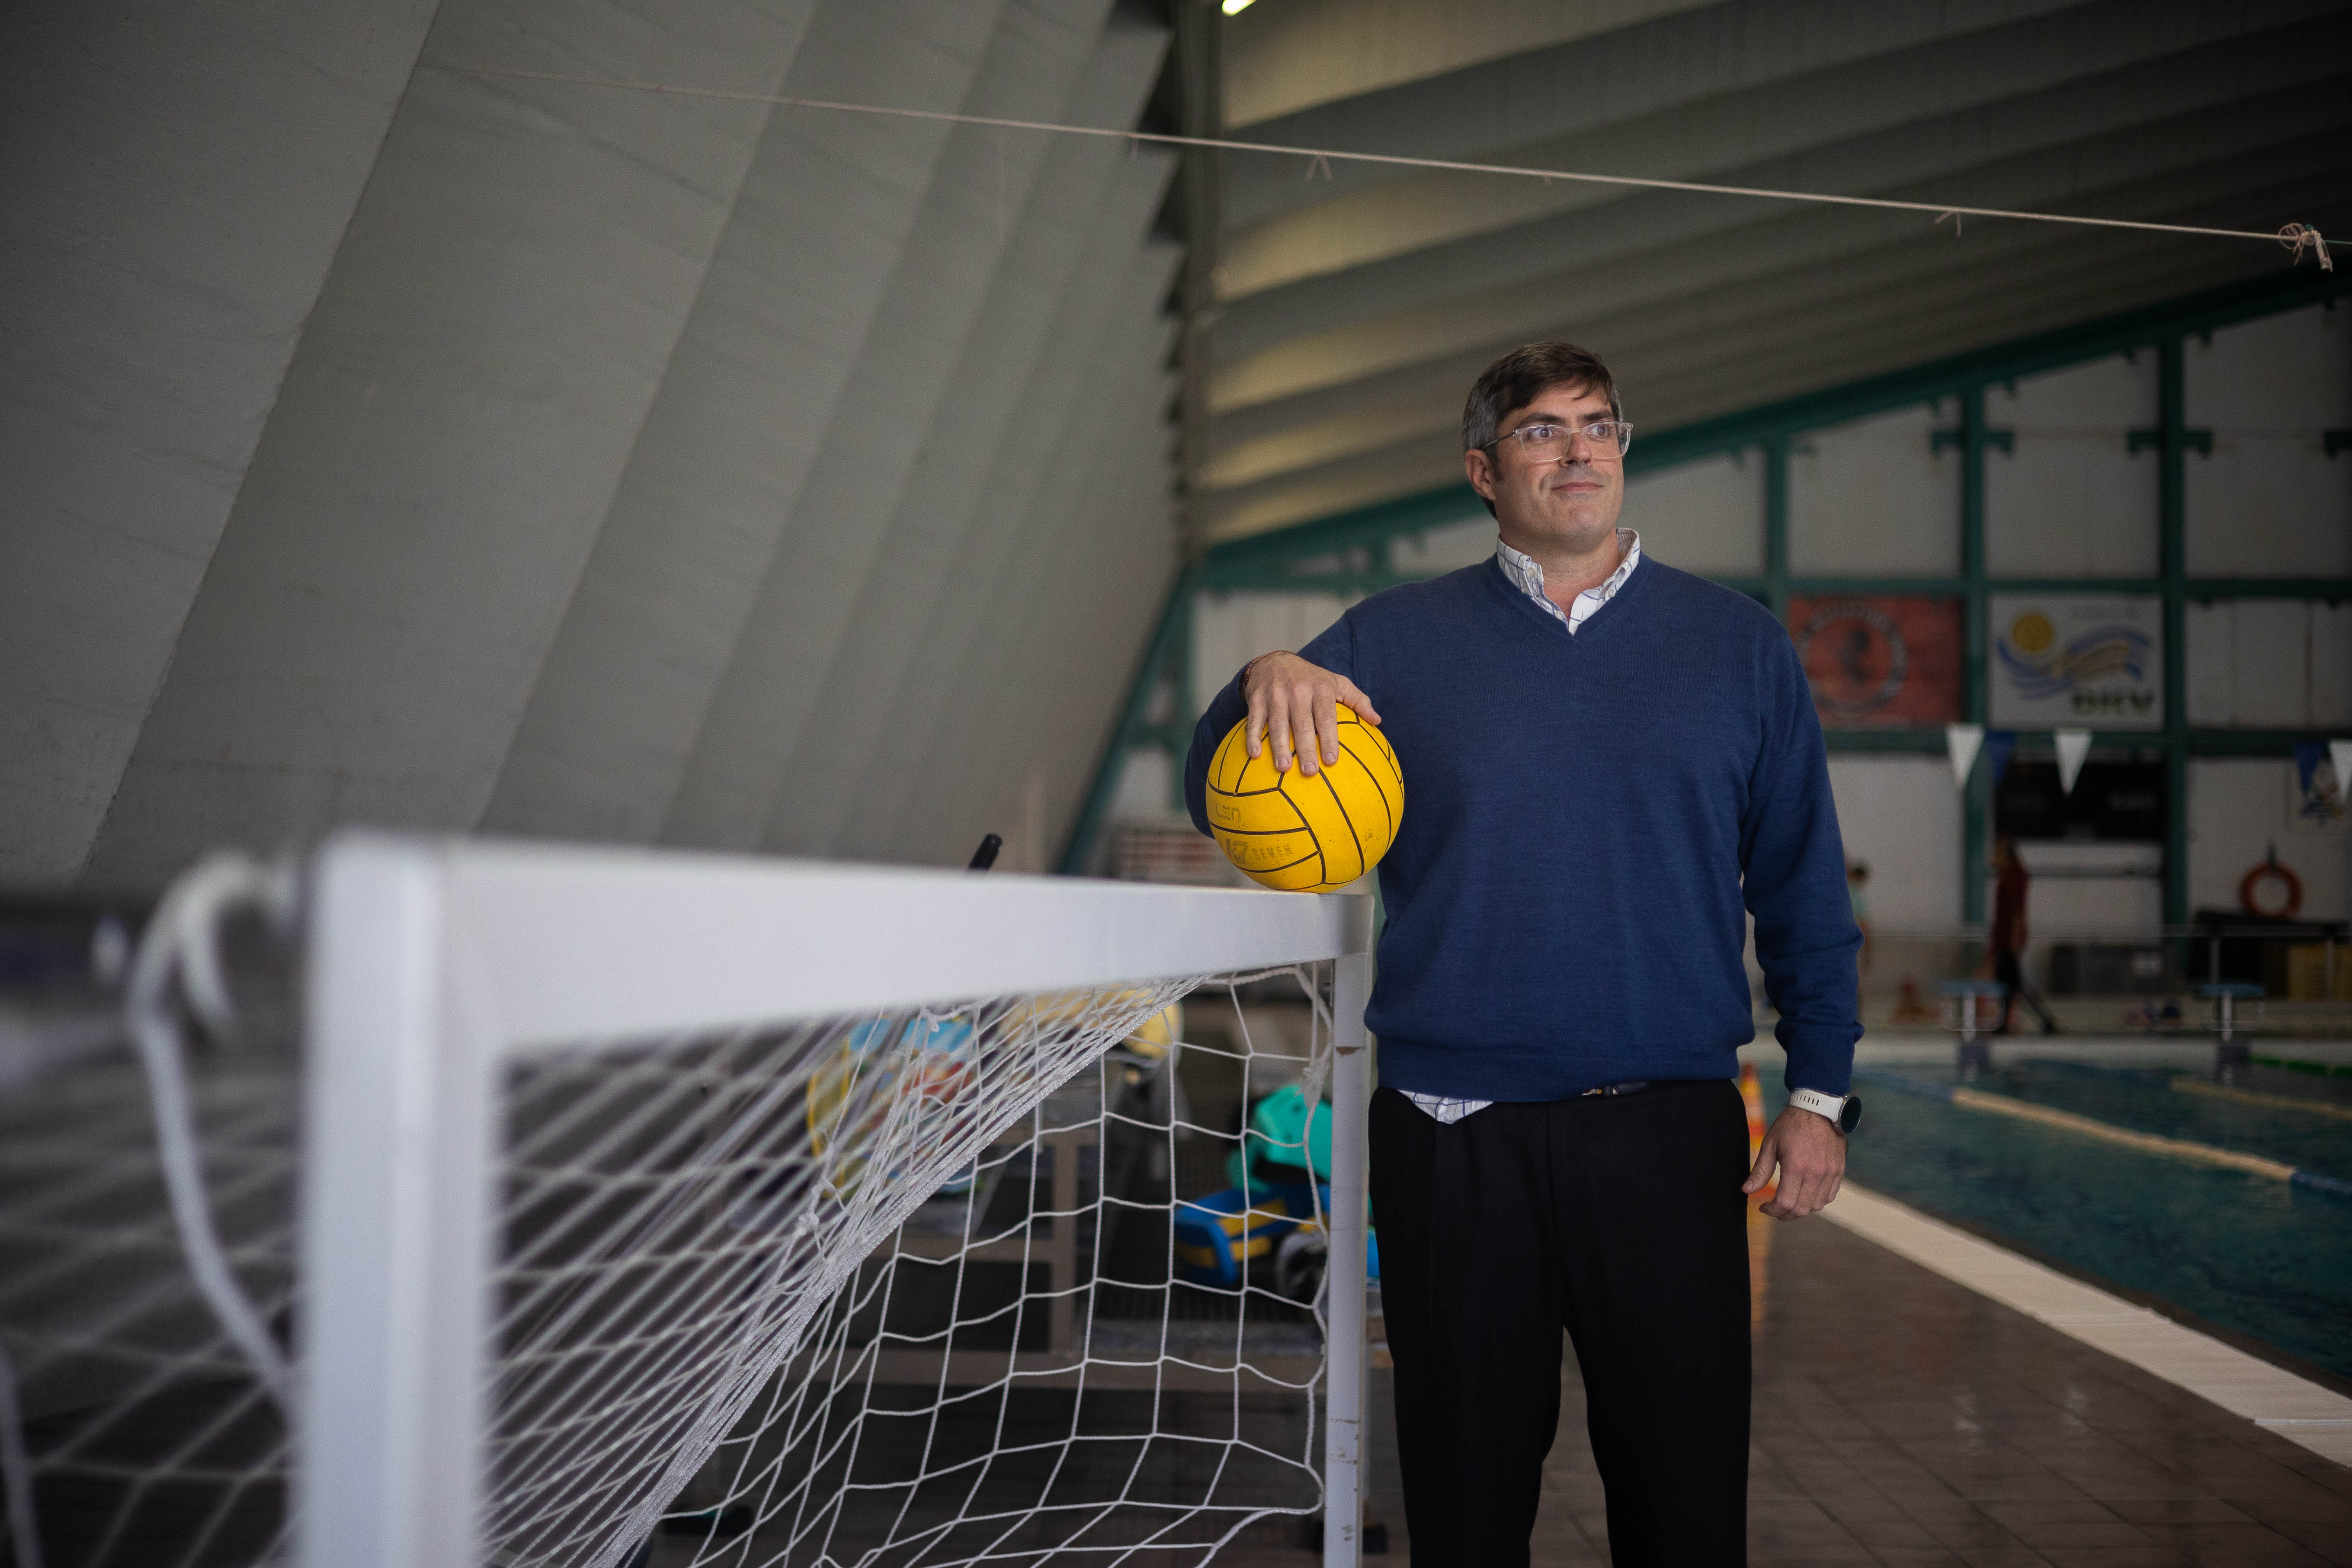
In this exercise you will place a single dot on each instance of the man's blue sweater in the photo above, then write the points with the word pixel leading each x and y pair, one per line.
pixel 1586 817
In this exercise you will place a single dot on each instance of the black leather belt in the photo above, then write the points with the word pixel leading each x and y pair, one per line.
pixel 1616 1090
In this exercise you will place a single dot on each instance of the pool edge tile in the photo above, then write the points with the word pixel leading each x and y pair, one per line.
pixel 2295 1408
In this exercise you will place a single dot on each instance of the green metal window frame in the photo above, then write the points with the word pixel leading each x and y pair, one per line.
pixel 1350 553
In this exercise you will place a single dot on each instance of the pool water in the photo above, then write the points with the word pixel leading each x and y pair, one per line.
pixel 2247 1253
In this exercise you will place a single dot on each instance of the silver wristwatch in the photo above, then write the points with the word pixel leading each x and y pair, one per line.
pixel 1842 1111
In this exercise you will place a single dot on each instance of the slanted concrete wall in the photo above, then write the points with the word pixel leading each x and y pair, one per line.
pixel 777 671
pixel 1110 312
pixel 877 633
pixel 460 450
pixel 1071 610
pixel 453 427
pixel 786 318
pixel 174 183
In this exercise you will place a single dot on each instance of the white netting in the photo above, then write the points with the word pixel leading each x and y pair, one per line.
pixel 149 1438
pixel 902 1290
pixel 968 1284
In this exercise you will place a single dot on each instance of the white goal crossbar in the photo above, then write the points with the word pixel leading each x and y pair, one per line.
pixel 435 964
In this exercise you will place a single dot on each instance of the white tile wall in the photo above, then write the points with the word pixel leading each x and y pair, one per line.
pixel 1902 816
pixel 2268 501
pixel 2069 500
pixel 1444 549
pixel 1872 497
pixel 1706 517
pixel 2281 664
pixel 1231 629
pixel 2237 813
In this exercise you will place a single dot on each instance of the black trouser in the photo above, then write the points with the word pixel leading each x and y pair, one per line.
pixel 1618 1218
pixel 2010 970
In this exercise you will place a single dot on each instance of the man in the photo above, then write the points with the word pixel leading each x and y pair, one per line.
pixel 1857 898
pixel 2011 883
pixel 1603 757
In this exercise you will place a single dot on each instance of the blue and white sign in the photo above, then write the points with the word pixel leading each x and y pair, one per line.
pixel 2080 662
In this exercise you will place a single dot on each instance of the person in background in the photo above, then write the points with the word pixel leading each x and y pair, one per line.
pixel 1858 896
pixel 2008 933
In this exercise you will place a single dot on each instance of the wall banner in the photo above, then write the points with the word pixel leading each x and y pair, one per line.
pixel 2083 662
pixel 1880 660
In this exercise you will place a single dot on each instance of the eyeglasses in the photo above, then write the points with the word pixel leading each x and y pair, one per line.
pixel 1549 443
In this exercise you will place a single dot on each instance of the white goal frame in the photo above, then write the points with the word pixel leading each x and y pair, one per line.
pixel 431 962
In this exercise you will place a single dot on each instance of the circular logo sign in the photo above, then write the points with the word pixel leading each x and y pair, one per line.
pixel 1854 656
pixel 2032 633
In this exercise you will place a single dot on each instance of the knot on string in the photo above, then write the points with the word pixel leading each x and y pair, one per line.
pixel 1958 222
pixel 1317 160
pixel 2299 236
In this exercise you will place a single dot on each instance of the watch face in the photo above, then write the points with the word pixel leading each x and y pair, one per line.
pixel 1850 1117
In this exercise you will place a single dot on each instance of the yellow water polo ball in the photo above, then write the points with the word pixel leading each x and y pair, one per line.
pixel 1306 833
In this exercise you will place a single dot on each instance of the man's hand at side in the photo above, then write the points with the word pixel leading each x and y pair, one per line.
pixel 1811 1153
pixel 1294 704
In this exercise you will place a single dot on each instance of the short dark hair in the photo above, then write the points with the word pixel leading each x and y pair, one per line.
pixel 1512 383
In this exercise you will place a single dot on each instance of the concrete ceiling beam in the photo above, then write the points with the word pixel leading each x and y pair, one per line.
pixel 1831 246
pixel 2062 178
pixel 2045 79
pixel 1280 60
pixel 1675 60
pixel 1794 337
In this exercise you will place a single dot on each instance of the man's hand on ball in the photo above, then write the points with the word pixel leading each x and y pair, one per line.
pixel 1295 704
pixel 1811 1153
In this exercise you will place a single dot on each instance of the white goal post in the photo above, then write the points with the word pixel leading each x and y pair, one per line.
pixel 434 965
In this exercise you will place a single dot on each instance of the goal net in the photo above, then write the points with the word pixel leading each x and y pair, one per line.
pixel 617 1209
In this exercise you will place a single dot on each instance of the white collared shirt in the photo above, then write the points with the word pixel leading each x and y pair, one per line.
pixel 1527 572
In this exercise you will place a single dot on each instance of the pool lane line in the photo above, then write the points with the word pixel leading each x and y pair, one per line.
pixel 2107 1131
pixel 2286 1405
pixel 2255 1097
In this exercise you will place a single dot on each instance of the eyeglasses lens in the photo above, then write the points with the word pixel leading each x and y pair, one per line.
pixel 1549 443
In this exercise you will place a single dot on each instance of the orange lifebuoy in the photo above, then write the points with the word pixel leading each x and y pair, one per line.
pixel 2270 870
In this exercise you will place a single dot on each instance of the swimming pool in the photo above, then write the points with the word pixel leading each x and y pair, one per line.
pixel 2252 1254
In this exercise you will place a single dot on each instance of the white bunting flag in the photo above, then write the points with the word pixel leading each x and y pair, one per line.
pixel 1962 740
pixel 2074 745
pixel 2341 754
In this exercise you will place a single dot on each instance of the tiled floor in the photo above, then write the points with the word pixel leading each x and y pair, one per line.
pixel 1902 1420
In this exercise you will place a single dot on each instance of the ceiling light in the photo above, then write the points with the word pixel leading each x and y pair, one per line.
pixel 1235 7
